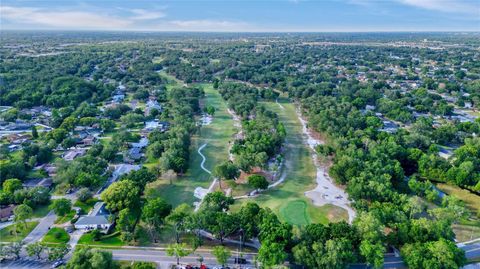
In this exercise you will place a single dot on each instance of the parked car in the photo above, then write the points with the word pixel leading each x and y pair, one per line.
pixel 240 261
pixel 56 264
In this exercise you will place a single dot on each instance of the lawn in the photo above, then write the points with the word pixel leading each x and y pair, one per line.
pixel 87 205
pixel 67 217
pixel 56 236
pixel 288 199
pixel 217 136
pixel 7 234
pixel 109 240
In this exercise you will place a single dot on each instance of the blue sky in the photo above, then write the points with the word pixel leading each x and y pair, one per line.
pixel 246 15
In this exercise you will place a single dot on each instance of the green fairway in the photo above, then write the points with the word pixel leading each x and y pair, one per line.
pixel 217 136
pixel 288 199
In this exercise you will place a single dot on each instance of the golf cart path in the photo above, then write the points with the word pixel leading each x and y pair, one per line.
pixel 214 182
pixel 326 191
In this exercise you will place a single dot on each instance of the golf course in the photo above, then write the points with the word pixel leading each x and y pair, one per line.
pixel 288 199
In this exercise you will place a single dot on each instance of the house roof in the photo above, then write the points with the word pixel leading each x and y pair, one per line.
pixel 92 220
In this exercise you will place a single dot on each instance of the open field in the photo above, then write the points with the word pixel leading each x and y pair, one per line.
pixel 7 234
pixel 216 135
pixel 288 199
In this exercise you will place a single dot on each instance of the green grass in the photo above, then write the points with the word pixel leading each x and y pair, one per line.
pixel 472 201
pixel 466 232
pixel 7 234
pixel 216 136
pixel 67 217
pixel 111 240
pixel 87 205
pixel 130 264
pixel 295 212
pixel 56 236
pixel 288 200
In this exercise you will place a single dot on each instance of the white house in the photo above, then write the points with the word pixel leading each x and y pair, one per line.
pixel 93 222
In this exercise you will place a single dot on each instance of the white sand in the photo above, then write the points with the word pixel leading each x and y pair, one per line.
pixel 206 119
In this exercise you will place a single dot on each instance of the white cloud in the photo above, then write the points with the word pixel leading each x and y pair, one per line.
pixel 143 14
pixel 207 25
pixel 62 19
pixel 457 6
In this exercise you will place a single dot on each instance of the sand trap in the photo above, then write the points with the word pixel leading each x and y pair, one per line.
pixel 326 191
pixel 206 119
pixel 200 192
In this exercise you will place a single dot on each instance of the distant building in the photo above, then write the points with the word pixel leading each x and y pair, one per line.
pixel 74 153
pixel 123 169
pixel 6 212
pixel 38 182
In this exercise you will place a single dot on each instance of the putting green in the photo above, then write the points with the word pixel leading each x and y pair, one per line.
pixel 295 212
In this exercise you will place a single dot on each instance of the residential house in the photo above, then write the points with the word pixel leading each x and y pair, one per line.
pixel 74 153
pixel 6 212
pixel 98 218
pixel 38 182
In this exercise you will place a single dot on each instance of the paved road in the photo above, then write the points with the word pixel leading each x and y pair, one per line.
pixel 41 229
pixel 161 258
pixel 5 224
pixel 472 251
pixel 25 263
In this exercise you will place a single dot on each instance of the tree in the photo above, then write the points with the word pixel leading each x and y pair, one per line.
pixel 210 110
pixel 154 213
pixel 15 249
pixel 126 220
pixel 217 201
pixel 258 182
pixel 140 177
pixel 226 170
pixel 120 195
pixel 61 206
pixel 221 254
pixel 11 185
pixel 34 131
pixel 373 253
pixel 58 252
pixel 178 217
pixel 35 249
pixel 434 254
pixel 84 194
pixel 87 258
pixel 96 234
pixel 22 213
pixel 178 251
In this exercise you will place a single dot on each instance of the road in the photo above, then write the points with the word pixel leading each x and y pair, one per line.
pixel 161 258
pixel 41 229
pixel 25 263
